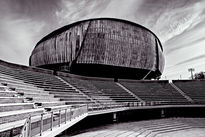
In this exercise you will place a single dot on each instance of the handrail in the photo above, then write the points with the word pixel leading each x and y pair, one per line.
pixel 96 107
pixel 57 118
pixel 67 113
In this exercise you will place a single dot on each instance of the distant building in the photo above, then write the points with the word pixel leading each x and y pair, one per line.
pixel 102 47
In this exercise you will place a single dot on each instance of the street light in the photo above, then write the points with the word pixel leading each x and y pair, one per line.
pixel 191 70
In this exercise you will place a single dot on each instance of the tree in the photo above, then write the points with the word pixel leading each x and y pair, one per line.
pixel 200 75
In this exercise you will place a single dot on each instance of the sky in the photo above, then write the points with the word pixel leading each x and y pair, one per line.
pixel 179 24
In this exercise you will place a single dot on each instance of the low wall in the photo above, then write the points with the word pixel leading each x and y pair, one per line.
pixel 188 80
pixel 64 74
pixel 22 67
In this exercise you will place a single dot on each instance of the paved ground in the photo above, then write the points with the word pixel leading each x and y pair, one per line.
pixel 198 132
pixel 172 127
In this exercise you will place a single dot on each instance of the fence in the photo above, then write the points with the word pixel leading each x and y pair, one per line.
pixel 95 107
pixel 61 115
pixel 51 119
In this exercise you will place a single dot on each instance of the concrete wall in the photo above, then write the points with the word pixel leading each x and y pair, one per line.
pixel 22 67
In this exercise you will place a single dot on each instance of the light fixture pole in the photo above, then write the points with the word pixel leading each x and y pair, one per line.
pixel 191 70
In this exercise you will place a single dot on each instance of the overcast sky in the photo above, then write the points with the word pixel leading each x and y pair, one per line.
pixel 179 24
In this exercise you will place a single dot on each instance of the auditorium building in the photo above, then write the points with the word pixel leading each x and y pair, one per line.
pixel 101 47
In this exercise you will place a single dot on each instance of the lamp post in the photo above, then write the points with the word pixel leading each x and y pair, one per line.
pixel 191 70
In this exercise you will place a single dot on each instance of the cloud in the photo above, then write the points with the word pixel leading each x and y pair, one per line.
pixel 18 43
pixel 23 23
pixel 188 38
pixel 185 45
pixel 165 18
pixel 83 9
pixel 179 24
pixel 191 59
pixel 175 20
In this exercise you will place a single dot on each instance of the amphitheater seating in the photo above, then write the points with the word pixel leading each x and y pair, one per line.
pixel 16 119
pixel 109 88
pixel 193 88
pixel 103 90
pixel 24 92
pixel 7 96
pixel 10 116
pixel 14 108
pixel 50 87
pixel 87 88
pixel 153 90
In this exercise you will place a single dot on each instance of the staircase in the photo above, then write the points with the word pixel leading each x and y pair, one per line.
pixel 181 92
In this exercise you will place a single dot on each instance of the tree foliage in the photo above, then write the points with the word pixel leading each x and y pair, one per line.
pixel 200 75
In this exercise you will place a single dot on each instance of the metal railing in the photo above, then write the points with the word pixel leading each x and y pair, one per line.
pixel 26 130
pixel 96 107
pixel 56 116
pixel 51 119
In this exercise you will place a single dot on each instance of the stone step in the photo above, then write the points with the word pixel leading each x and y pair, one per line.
pixel 69 93
pixel 15 106
pixel 30 94
pixel 69 96
pixel 8 94
pixel 9 78
pixel 48 104
pixel 2 87
pixel 101 99
pixel 5 129
pixel 10 85
pixel 40 99
pixel 78 102
pixel 30 90
pixel 105 97
pixel 60 90
pixel 55 108
pixel 117 97
pixel 74 99
pixel 10 116
pixel 58 87
pixel 125 100
pixel 11 100
pixel 15 82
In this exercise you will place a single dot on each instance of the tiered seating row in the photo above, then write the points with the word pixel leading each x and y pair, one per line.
pixel 25 92
pixel 105 91
pixel 49 84
pixel 115 92
pixel 193 88
pixel 12 121
pixel 87 88
pixel 25 89
pixel 13 107
pixel 153 90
